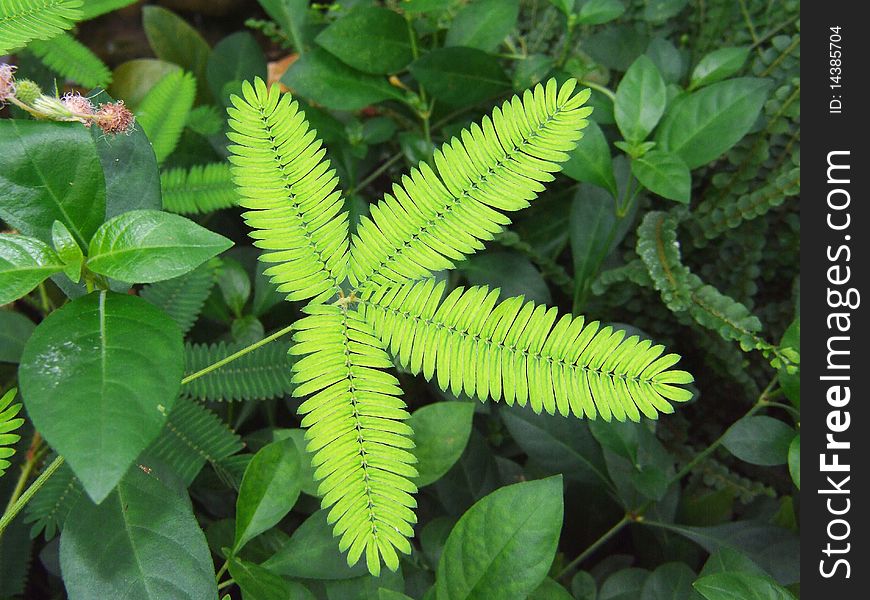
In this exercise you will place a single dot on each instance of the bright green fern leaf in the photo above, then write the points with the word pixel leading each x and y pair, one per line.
pixel 295 211
pixel 95 8
pixel 434 219
pixel 183 297
pixel 52 504
pixel 164 109
pixel 70 58
pixel 198 190
pixel 518 352
pixel 9 423
pixel 355 431
pixel 192 436
pixel 258 375
pixel 513 350
pixel 22 21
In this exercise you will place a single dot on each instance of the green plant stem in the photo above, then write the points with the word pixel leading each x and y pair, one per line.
pixel 226 584
pixel 12 511
pixel 32 457
pixel 44 299
pixel 599 88
pixel 222 570
pixel 637 514
pixel 379 171
pixel 235 355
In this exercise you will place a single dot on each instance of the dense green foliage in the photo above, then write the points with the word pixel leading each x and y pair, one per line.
pixel 394 324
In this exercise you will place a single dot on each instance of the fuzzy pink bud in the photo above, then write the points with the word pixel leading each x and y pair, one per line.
pixel 78 105
pixel 114 117
pixel 7 82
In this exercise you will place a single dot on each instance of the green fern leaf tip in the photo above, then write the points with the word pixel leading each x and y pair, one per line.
pixel 9 423
pixel 469 342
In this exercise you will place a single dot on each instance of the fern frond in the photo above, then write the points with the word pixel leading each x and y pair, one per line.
pixel 198 190
pixel 516 351
pixel 51 505
pixel 258 375
pixel 355 431
pixel 434 219
pixel 296 213
pixel 192 436
pixel 95 8
pixel 22 21
pixel 182 298
pixel 73 60
pixel 9 423
pixel 164 109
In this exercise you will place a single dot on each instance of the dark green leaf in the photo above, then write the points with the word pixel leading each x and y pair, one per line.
pixel 566 6
pixel 511 272
pixel 788 381
pixel 258 583
pixel 533 70
pixel 460 76
pixel 550 590
pixel 306 471
pixel 597 12
pixel 717 65
pixel 119 363
pixel 175 41
pixel 235 285
pixel 50 172
pixel 794 460
pixel 594 230
pixel 705 124
pixel 740 586
pixel 292 16
pixel 143 246
pixel 626 584
pixel 659 11
pixel 667 58
pixel 385 594
pixel 235 58
pixel 132 80
pixel 502 546
pixel 69 252
pixel 616 46
pixel 759 440
pixel 15 329
pixel 321 77
pixel 483 24
pixel 364 588
pixel 182 297
pixel 671 581
pixel 583 586
pixel 269 490
pixel 424 6
pixel 25 262
pixel 640 100
pixel 441 432
pixel 141 543
pixel 665 174
pixel 312 553
pixel 370 39
pixel 590 161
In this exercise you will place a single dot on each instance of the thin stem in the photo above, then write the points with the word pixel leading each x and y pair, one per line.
pixel 620 525
pixel 22 501
pixel 379 171
pixel 222 570
pixel 234 356
pixel 26 470
pixel 226 584
pixel 44 299
pixel 599 88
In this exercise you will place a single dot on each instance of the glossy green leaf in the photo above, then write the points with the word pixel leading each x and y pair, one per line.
pixel 640 100
pixel 670 581
pixel 759 440
pixel 25 262
pixel 15 329
pixel 667 59
pixel 794 460
pixel 550 590
pixel 441 432
pixel 143 246
pixel 140 543
pixel 371 39
pixel 728 560
pixel 625 584
pixel 718 64
pixel 175 41
pixel 119 362
pixel 269 490
pixel 460 76
pixel 665 174
pixel 312 553
pixel 321 77
pixel 740 586
pixel 234 59
pixel 502 546
pixel 597 12
pixel 258 583
pixel 483 24
pixel 235 285
pixel 590 161
pixel 593 229
pixel 69 252
pixel 705 124
pixel 292 16
pixel 50 172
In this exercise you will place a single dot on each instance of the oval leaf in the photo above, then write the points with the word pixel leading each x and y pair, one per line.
pixel 258 583
pixel 98 377
pixel 794 460
pixel 665 174
pixel 15 329
pixel 503 546
pixel 441 433
pixel 460 76
pixel 590 160
pixel 143 246
pixel 717 65
pixel 25 262
pixel 483 24
pixel 640 100
pixel 269 490
pixel 142 543
pixel 705 124
pixel 740 586
pixel 371 39
pixel 759 440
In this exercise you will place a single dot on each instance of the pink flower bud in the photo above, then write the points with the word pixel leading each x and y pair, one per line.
pixel 78 105
pixel 7 82
pixel 114 117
